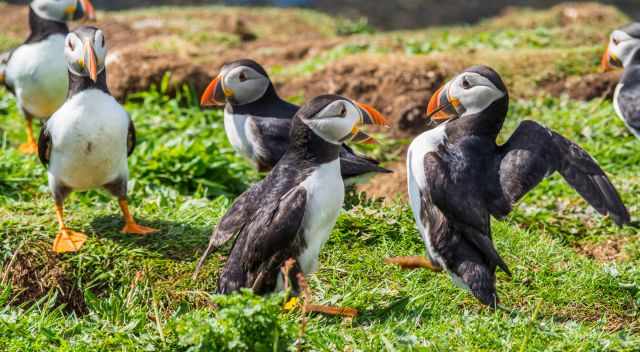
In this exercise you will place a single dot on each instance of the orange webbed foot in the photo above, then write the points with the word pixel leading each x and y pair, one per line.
pixel 68 241
pixel 29 148
pixel 135 229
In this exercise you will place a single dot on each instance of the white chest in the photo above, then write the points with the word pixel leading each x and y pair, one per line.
pixel 616 106
pixel 325 196
pixel 236 128
pixel 39 75
pixel 416 180
pixel 89 141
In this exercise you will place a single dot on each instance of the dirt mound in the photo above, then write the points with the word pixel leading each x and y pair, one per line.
pixel 388 186
pixel 400 87
pixel 597 85
pixel 607 251
pixel 34 271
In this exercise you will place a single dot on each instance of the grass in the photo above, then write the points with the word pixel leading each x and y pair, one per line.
pixel 128 293
pixel 136 294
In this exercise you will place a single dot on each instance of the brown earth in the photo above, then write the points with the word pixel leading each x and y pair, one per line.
pixel 400 87
pixel 607 251
pixel 588 87
pixel 34 271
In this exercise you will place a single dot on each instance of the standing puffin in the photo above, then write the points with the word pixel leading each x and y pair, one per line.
pixel 291 212
pixel 257 121
pixel 458 177
pixel 86 142
pixel 36 71
pixel 623 52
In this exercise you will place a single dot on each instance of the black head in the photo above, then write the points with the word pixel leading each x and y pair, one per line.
pixel 337 119
pixel 86 51
pixel 475 91
pixel 240 82
pixel 622 48
pixel 63 10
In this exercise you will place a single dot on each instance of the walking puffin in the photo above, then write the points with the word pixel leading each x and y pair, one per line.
pixel 623 52
pixel 458 177
pixel 36 71
pixel 291 212
pixel 85 144
pixel 257 121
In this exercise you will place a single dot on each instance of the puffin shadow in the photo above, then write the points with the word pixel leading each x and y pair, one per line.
pixel 378 314
pixel 174 240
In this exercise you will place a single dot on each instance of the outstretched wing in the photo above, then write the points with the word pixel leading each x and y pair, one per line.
pixel 628 102
pixel 272 236
pixel 534 152
pixel 131 137
pixel 44 145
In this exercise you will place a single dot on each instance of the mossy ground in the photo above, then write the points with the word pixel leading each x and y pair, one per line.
pixel 129 293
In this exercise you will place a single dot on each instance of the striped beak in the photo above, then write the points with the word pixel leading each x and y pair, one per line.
pixel 609 61
pixel 89 61
pixel 88 9
pixel 368 116
pixel 215 94
pixel 82 9
pixel 442 106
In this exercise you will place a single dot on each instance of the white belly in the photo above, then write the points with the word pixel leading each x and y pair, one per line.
pixel 325 196
pixel 89 141
pixel 39 75
pixel 619 112
pixel 416 180
pixel 236 129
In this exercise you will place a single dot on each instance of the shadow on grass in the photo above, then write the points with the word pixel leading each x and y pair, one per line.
pixel 174 240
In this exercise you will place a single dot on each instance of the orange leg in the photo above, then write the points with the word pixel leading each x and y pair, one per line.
pixel 413 262
pixel 324 309
pixel 66 240
pixel 130 225
pixel 30 147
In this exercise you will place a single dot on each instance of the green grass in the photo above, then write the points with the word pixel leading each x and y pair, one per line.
pixel 128 293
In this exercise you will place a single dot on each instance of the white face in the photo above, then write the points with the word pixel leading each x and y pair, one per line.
pixel 474 92
pixel 245 84
pixel 55 10
pixel 76 52
pixel 622 45
pixel 336 121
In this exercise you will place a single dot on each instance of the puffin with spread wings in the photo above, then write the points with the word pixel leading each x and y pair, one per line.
pixel 458 177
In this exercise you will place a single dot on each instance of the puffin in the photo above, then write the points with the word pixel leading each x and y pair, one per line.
pixel 36 71
pixel 458 177
pixel 257 121
pixel 291 212
pixel 622 52
pixel 85 144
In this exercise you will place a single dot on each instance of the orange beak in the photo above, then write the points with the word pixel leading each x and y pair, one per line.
pixel 441 107
pixel 371 116
pixel 609 61
pixel 214 94
pixel 89 10
pixel 90 61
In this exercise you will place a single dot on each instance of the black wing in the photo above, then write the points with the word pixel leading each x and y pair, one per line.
pixel 459 230
pixel 354 165
pixel 44 145
pixel 534 152
pixel 271 136
pixel 4 63
pixel 131 137
pixel 272 237
pixel 628 99
pixel 240 213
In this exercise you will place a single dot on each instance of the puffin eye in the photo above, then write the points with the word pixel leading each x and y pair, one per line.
pixel 465 83
pixel 343 111
pixel 242 77
pixel 616 41
pixel 71 46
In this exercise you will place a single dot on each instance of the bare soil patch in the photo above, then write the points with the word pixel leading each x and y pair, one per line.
pixel 400 87
pixel 607 251
pixel 587 87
